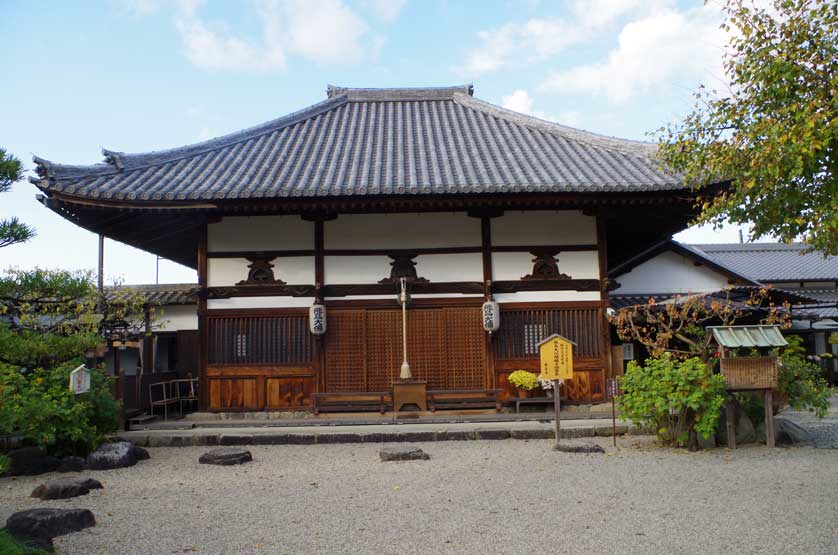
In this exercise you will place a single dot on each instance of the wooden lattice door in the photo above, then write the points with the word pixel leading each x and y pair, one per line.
pixel 446 348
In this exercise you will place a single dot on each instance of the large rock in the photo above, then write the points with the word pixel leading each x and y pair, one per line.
pixel 119 454
pixel 226 456
pixel 403 454
pixel 72 464
pixel 65 488
pixel 745 432
pixel 29 461
pixel 48 523
pixel 786 432
pixel 141 454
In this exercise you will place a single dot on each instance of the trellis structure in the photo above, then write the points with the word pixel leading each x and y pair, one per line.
pixel 748 364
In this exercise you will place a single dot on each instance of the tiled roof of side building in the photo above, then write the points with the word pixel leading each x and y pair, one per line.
pixel 428 141
pixel 162 294
pixel 773 262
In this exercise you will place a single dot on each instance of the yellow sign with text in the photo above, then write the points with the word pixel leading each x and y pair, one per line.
pixel 556 353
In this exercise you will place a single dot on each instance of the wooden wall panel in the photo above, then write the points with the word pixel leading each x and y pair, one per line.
pixel 383 341
pixel 289 393
pixel 233 394
pixel 465 352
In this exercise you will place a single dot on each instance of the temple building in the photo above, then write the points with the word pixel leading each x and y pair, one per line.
pixel 333 205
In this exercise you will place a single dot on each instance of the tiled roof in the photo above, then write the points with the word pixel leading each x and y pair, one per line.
pixel 827 303
pixel 767 262
pixel 438 141
pixel 163 294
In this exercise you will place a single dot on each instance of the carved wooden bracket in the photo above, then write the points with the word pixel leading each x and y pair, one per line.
pixel 403 266
pixel 545 266
pixel 261 273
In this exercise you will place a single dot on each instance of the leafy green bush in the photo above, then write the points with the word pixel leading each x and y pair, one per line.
pixel 4 463
pixel 802 383
pixel 676 397
pixel 40 406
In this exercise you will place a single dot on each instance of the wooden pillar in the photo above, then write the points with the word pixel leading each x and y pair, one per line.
pixel 319 281
pixel 769 418
pixel 602 252
pixel 486 250
pixel 203 343
pixel 731 423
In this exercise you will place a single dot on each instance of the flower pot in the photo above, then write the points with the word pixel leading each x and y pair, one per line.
pixel 523 393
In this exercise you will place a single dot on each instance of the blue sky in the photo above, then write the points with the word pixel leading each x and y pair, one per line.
pixel 140 75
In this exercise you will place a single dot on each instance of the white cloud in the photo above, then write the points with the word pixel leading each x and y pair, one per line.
pixel 649 52
pixel 520 101
pixel 386 10
pixel 323 31
pixel 140 7
pixel 541 38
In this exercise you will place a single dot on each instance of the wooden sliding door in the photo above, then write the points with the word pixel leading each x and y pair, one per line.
pixel 446 348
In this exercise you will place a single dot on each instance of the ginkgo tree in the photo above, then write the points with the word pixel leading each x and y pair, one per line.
pixel 771 137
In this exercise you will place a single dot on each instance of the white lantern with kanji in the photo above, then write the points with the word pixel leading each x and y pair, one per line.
pixel 317 319
pixel 491 316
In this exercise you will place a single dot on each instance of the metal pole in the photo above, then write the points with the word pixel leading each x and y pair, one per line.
pixel 557 404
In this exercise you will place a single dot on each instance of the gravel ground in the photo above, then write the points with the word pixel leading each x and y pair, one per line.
pixel 472 497
pixel 824 431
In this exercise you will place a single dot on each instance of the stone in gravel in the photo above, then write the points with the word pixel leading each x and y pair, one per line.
pixel 72 464
pixel 226 456
pixel 785 433
pixel 577 447
pixel 65 488
pixel 119 454
pixel 745 432
pixel 29 461
pixel 48 523
pixel 707 443
pixel 141 454
pixel 403 454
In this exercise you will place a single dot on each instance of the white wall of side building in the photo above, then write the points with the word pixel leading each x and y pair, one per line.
pixel 177 317
pixel 669 272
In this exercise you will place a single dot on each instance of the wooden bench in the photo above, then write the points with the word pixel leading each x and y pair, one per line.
pixel 545 401
pixel 464 399
pixel 352 402
pixel 168 395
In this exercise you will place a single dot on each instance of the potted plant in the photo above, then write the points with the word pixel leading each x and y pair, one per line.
pixel 525 382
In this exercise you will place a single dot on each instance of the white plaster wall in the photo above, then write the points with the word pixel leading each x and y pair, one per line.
pixel 547 296
pixel 293 270
pixel 177 317
pixel 544 227
pixel 670 273
pixel 402 231
pixel 355 269
pixel 515 265
pixel 450 267
pixel 259 302
pixel 256 233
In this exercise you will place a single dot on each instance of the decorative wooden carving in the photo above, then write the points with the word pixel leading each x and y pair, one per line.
pixel 403 266
pixel 261 273
pixel 545 267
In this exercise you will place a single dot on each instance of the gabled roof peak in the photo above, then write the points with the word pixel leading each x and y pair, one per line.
pixel 399 94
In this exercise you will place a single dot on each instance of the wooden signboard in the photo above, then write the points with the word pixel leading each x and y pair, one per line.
pixel 80 380
pixel 556 353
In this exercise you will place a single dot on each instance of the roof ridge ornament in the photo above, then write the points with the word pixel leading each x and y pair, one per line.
pixel 114 158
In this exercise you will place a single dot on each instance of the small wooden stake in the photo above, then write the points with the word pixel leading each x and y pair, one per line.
pixel 769 418
pixel 557 404
pixel 731 424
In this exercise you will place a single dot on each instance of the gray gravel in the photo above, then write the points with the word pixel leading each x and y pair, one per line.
pixel 471 497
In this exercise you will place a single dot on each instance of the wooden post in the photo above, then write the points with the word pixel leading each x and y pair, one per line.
pixel 769 418
pixel 557 404
pixel 731 424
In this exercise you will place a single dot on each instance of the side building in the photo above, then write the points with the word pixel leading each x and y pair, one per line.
pixel 334 204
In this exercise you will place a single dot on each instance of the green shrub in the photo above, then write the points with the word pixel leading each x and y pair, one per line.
pixel 40 406
pixel 804 386
pixel 676 397
pixel 9 545
pixel 4 463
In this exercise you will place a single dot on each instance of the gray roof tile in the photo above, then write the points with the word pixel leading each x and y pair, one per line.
pixel 372 142
pixel 767 262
